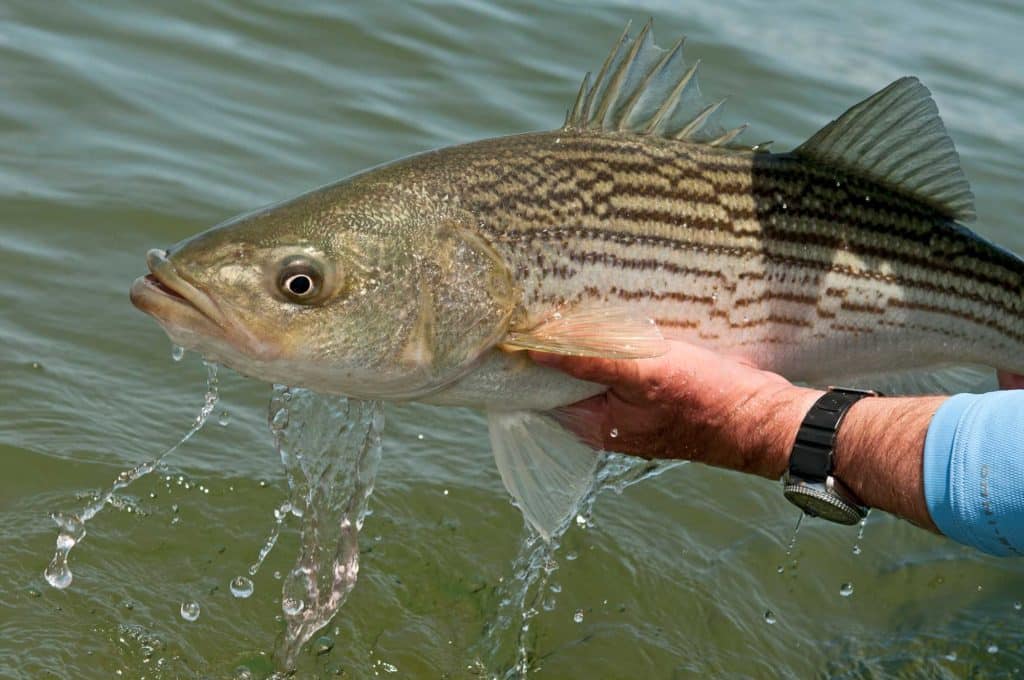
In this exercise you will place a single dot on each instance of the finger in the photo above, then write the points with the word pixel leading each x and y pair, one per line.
pixel 1011 381
pixel 612 372
pixel 587 419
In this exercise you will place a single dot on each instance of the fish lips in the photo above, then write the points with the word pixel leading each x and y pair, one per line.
pixel 187 314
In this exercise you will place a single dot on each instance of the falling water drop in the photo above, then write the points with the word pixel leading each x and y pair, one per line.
pixel 846 590
pixel 177 352
pixel 292 606
pixel 992 649
pixel 614 433
pixel 58 574
pixel 224 419
pixel 1018 605
pixel 577 617
pixel 769 617
pixel 190 610
pixel 241 587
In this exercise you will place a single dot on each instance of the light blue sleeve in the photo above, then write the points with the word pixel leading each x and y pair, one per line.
pixel 974 471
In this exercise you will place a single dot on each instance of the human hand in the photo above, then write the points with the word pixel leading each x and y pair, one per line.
pixel 689 403
pixel 1011 381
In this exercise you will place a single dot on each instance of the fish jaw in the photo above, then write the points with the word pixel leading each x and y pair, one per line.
pixel 190 317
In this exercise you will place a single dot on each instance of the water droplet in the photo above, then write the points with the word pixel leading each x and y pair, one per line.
pixel 951 656
pixel 992 649
pixel 1018 605
pixel 177 352
pixel 769 617
pixel 581 521
pixel 420 437
pixel 577 617
pixel 556 587
pixel 445 492
pixel 190 610
pixel 571 555
pixel 548 604
pixel 614 433
pixel 780 569
pixel 323 644
pixel 224 419
pixel 292 606
pixel 846 589
pixel 241 587
pixel 58 574
pixel 856 550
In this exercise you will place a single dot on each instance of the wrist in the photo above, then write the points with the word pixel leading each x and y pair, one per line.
pixel 770 441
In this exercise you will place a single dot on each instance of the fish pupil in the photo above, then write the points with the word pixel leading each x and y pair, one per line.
pixel 300 284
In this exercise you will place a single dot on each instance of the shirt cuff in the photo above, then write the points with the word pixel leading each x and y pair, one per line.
pixel 974 471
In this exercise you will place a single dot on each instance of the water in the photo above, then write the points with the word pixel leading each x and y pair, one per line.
pixel 128 126
pixel 330 447
pixel 72 525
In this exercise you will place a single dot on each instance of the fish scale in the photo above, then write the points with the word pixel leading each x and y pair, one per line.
pixel 736 249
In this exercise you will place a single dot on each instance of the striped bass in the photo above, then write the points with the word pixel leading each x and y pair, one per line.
pixel 640 220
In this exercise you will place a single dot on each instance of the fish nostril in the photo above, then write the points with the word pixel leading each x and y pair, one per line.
pixel 155 257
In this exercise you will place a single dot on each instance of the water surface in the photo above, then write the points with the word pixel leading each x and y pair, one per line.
pixel 126 126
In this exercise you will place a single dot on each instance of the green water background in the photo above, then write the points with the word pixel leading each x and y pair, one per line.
pixel 125 126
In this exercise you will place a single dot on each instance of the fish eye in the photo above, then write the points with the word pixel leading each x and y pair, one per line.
pixel 300 280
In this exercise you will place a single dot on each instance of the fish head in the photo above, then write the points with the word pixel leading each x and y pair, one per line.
pixel 358 288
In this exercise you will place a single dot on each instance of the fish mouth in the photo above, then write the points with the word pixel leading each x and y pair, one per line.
pixel 174 301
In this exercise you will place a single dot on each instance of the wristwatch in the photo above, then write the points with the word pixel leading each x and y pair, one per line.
pixel 809 483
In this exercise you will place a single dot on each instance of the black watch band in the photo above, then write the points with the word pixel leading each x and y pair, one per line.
pixel 811 458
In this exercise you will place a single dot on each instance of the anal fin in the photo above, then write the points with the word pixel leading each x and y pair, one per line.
pixel 546 469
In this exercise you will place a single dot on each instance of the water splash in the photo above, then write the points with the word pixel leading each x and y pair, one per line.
pixel 330 448
pixel 71 526
pixel 509 640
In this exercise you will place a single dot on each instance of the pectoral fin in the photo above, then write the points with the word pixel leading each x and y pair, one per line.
pixel 609 332
pixel 546 468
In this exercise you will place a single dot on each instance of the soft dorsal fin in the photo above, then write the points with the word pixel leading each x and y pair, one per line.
pixel 645 89
pixel 895 136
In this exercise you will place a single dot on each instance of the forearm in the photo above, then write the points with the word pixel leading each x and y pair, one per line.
pixel 880 454
pixel 879 448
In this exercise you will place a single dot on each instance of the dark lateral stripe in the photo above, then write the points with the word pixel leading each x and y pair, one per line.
pixel 810 302
pixel 1002 324
pixel 859 237
pixel 1012 304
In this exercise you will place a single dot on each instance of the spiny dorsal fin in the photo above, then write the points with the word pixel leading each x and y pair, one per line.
pixel 895 136
pixel 645 89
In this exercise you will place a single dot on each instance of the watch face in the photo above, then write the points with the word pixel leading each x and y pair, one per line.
pixel 819 502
